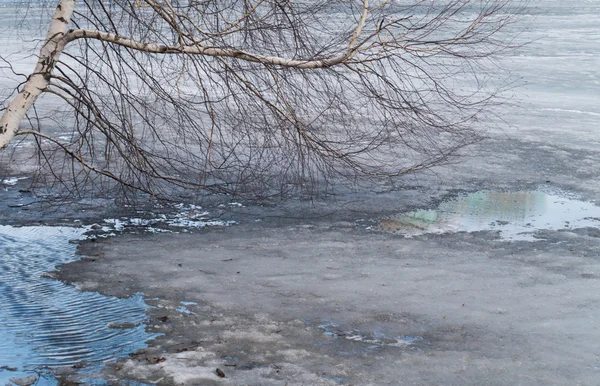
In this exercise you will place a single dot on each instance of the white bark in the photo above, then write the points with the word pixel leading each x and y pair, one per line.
pixel 200 49
pixel 38 81
pixel 206 50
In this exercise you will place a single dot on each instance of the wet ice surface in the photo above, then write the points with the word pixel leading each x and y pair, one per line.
pixel 47 324
pixel 516 215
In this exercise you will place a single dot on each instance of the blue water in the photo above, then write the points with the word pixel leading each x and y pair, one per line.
pixel 47 324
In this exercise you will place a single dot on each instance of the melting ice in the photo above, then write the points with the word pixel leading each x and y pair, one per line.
pixel 516 215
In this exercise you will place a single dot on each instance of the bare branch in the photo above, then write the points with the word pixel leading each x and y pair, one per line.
pixel 261 95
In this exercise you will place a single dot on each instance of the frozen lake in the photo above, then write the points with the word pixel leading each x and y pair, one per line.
pixel 561 72
pixel 556 109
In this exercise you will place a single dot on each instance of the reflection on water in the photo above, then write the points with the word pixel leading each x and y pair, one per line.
pixel 45 323
pixel 515 215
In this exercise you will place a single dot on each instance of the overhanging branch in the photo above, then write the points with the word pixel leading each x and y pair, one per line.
pixel 209 51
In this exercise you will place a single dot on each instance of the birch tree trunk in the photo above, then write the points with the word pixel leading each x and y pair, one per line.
pixel 38 81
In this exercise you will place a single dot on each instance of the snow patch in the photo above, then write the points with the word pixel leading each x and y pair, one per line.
pixel 12 181
pixel 188 217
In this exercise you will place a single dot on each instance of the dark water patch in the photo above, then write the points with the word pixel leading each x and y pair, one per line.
pixel 515 215
pixel 47 324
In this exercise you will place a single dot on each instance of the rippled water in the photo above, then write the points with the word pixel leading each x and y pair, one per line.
pixel 45 323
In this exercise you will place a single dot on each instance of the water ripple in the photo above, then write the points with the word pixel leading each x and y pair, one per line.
pixel 45 323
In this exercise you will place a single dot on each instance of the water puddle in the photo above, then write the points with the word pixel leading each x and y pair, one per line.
pixel 184 310
pixel 46 324
pixel 516 215
pixel 375 339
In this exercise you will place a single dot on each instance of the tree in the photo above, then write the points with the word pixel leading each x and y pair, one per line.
pixel 225 93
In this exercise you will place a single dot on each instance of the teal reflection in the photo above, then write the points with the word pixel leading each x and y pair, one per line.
pixel 515 214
